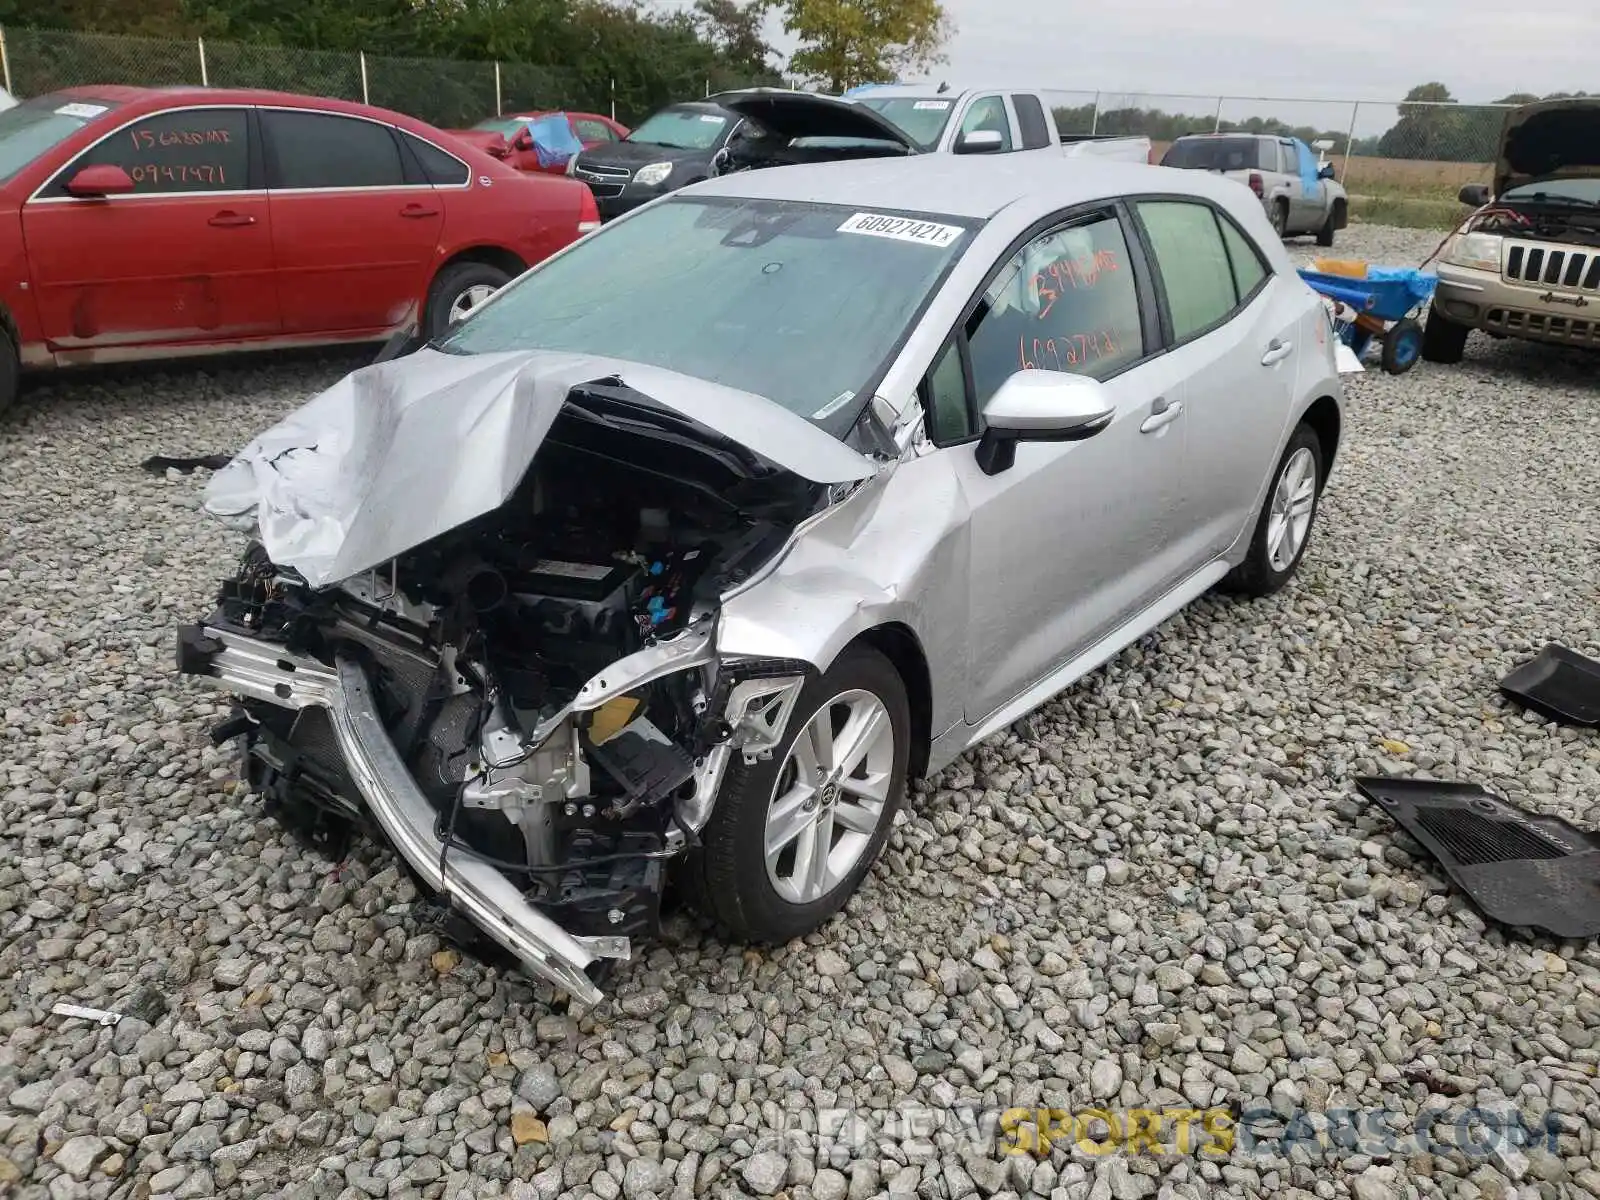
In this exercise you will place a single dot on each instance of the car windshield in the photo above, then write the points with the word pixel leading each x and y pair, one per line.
pixel 1557 191
pixel 1214 154
pixel 505 126
pixel 34 126
pixel 681 129
pixel 800 303
pixel 920 118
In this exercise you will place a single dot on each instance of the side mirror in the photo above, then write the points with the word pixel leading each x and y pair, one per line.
pixel 1476 195
pixel 105 179
pixel 720 161
pixel 1041 406
pixel 980 141
pixel 1326 172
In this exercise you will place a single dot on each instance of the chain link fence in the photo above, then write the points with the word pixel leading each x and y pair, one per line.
pixel 1401 162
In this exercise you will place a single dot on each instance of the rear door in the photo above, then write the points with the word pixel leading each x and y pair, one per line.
pixel 1233 326
pixel 1287 169
pixel 355 224
pixel 185 258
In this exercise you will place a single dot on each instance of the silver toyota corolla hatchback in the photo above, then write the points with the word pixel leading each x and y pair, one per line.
pixel 691 546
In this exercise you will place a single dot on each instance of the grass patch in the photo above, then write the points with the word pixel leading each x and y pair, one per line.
pixel 1408 212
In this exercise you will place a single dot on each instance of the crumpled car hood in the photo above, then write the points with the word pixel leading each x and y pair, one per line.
pixel 399 452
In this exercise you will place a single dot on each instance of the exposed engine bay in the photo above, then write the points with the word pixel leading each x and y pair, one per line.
pixel 1547 222
pixel 510 663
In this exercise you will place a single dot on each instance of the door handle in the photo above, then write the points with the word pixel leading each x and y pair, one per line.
pixel 1277 351
pixel 1162 413
pixel 227 218
pixel 414 211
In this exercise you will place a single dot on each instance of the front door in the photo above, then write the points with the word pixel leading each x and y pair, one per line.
pixel 186 257
pixel 354 231
pixel 1072 539
pixel 1235 342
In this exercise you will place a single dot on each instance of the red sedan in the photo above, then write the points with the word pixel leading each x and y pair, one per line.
pixel 507 137
pixel 143 223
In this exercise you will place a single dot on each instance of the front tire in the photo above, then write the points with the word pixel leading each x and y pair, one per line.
pixel 1283 530
pixel 791 837
pixel 1329 227
pixel 10 372
pixel 1443 340
pixel 456 291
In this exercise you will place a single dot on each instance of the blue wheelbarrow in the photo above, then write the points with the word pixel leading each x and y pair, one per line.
pixel 1376 302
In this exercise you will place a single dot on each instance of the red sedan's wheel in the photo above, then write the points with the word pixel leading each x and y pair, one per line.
pixel 10 371
pixel 456 291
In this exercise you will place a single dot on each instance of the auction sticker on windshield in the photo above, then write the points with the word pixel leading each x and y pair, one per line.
pixel 931 105
pixel 902 229
pixel 85 112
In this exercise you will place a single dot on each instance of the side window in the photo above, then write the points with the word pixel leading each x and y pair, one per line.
pixel 193 150
pixel 440 168
pixel 944 398
pixel 321 150
pixel 1030 120
pixel 1291 160
pixel 1193 262
pixel 1067 301
pixel 1248 268
pixel 592 131
pixel 988 113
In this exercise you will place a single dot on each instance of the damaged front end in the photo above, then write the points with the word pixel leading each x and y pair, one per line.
pixel 530 706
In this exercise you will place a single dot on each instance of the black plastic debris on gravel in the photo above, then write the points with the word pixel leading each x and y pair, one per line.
pixel 1519 868
pixel 160 464
pixel 1559 683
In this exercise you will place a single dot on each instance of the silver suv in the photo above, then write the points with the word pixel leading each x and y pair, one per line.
pixel 1296 188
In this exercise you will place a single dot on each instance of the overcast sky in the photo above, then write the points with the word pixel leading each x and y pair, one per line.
pixel 1334 49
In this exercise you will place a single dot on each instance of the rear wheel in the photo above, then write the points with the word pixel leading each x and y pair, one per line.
pixel 456 291
pixel 1283 530
pixel 1443 340
pixel 1280 217
pixel 791 837
pixel 10 372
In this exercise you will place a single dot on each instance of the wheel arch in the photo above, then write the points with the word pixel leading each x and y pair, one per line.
pixel 898 643
pixel 1326 422
pixel 486 253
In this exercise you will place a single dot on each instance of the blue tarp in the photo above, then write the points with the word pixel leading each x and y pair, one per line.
pixel 553 140
pixel 1308 170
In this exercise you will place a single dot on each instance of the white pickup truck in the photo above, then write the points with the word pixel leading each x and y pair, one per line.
pixel 915 120
pixel 987 121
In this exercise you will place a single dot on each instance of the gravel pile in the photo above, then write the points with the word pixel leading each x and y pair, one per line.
pixel 1159 892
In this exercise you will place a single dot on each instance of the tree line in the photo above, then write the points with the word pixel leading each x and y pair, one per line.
pixel 593 54
pixel 581 54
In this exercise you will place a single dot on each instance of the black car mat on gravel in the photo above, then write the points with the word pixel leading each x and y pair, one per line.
pixel 1560 683
pixel 1518 867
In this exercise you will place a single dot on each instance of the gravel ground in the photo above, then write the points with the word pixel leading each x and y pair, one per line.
pixel 1168 894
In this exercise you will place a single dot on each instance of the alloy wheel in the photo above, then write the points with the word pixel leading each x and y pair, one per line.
pixel 830 796
pixel 1294 500
pixel 469 299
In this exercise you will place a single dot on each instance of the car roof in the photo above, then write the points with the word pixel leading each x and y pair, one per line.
pixel 974 187
pixel 1240 133
pixel 154 98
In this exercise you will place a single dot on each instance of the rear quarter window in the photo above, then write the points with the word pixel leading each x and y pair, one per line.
pixel 438 167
